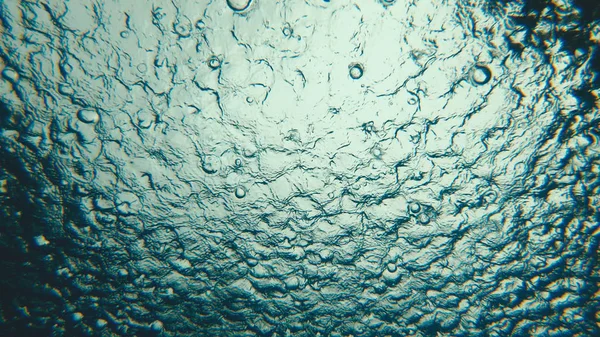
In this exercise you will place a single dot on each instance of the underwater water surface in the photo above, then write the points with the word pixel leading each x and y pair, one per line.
pixel 299 168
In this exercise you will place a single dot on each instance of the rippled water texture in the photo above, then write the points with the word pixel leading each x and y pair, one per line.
pixel 299 168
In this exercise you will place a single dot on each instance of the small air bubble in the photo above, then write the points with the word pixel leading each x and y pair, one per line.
pixel 356 71
pixel 65 89
pixel 183 27
pixel 142 68
pixel 240 192
pixel 481 75
pixel 200 25
pixel 157 326
pixel 238 5
pixel 10 75
pixel 77 317
pixel 88 116
pixel 124 34
pixel 414 207
pixel 101 323
pixel 287 31
pixel 412 100
pixel 376 152
pixel 423 219
pixel 214 62
pixel 210 164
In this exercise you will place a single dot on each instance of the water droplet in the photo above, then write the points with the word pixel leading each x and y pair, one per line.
pixel 214 62
pixel 414 207
pixel 238 5
pixel 88 116
pixel 481 75
pixel 356 71
pixel 240 192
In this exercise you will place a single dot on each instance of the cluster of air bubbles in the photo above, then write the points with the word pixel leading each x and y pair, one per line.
pixel 481 74
pixel 355 70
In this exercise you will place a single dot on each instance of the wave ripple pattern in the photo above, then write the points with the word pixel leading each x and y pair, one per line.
pixel 299 168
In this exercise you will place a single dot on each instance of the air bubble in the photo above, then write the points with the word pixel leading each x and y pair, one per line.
pixel 88 116
pixel 214 62
pixel 101 323
pixel 200 25
pixel 423 219
pixel 287 31
pixel 211 164
pixel 10 75
pixel 481 75
pixel 65 89
pixel 142 68
pixel 157 326
pixel 376 152
pixel 249 100
pixel 124 34
pixel 238 5
pixel 144 119
pixel 414 207
pixel 412 100
pixel 238 162
pixel 240 192
pixel 77 317
pixel 356 71
pixel 183 27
